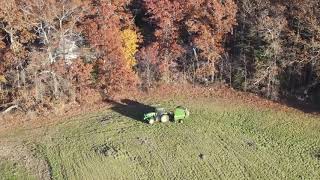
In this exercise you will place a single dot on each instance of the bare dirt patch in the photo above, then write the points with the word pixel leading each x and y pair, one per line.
pixel 105 150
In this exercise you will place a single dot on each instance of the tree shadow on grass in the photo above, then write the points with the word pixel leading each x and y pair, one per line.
pixel 131 109
pixel 305 107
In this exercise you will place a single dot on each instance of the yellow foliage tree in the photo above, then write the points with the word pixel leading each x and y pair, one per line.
pixel 2 45
pixel 130 43
pixel 2 79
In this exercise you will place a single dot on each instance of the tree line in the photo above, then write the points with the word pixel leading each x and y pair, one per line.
pixel 61 51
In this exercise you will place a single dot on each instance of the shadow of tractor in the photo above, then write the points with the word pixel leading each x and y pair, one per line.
pixel 131 109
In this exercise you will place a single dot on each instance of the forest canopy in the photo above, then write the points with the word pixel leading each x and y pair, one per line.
pixel 62 51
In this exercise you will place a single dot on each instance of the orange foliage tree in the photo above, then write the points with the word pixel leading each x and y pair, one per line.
pixel 166 14
pixel 104 34
pixel 187 25
pixel 207 22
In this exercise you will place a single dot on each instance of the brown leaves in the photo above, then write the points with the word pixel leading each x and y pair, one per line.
pixel 210 21
pixel 104 33
pixel 46 41
pixel 206 23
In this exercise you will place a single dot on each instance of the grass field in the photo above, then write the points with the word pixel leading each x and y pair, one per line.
pixel 10 170
pixel 220 140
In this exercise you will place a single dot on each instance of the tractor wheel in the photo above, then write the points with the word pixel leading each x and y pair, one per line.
pixel 152 121
pixel 165 118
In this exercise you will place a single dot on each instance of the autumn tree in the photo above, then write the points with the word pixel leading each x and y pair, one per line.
pixel 40 35
pixel 192 27
pixel 268 60
pixel 276 48
pixel 166 14
pixel 148 65
pixel 114 73
pixel 16 34
pixel 207 23
pixel 303 47
pixel 130 40
pixel 60 51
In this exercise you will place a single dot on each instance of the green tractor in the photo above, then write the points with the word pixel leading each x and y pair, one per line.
pixel 161 115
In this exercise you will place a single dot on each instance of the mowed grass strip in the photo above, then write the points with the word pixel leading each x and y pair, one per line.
pixel 220 140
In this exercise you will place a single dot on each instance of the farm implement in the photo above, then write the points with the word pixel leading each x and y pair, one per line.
pixel 161 115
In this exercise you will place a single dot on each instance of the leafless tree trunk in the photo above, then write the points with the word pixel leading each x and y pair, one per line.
pixel 245 73
pixel 195 65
